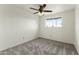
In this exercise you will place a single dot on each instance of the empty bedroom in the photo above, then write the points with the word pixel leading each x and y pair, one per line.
pixel 39 29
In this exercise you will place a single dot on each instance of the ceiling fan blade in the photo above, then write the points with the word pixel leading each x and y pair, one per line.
pixel 34 8
pixel 35 13
pixel 42 7
pixel 47 10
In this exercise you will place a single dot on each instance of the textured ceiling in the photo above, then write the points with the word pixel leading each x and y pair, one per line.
pixel 56 8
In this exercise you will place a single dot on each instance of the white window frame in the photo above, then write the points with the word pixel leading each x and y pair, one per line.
pixel 53 22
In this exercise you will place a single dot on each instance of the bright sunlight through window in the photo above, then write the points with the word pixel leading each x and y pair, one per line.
pixel 54 22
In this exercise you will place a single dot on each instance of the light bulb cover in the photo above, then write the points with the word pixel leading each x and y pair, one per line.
pixel 40 13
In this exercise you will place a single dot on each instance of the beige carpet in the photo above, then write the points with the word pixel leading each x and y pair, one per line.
pixel 41 46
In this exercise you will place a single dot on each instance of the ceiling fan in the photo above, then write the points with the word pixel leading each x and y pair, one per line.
pixel 40 10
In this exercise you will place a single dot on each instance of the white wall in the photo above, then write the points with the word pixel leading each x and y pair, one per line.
pixel 16 26
pixel 64 34
pixel 77 28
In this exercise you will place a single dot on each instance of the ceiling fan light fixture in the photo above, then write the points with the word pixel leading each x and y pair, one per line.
pixel 40 14
pixel 41 10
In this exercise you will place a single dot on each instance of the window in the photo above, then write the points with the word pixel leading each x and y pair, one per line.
pixel 54 22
